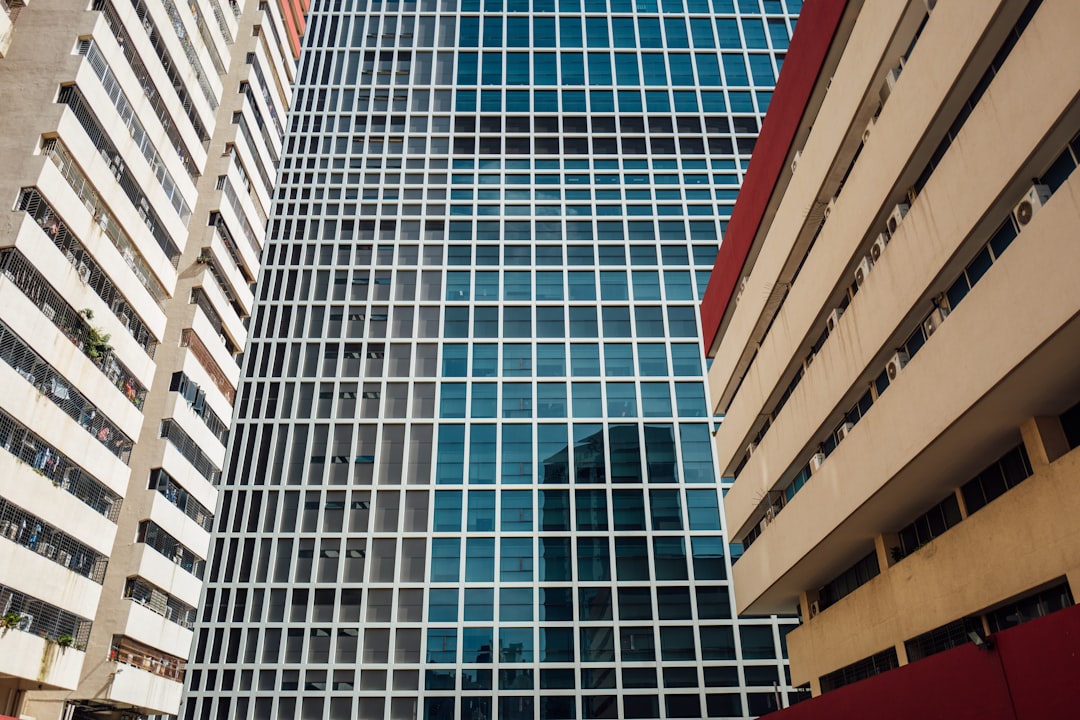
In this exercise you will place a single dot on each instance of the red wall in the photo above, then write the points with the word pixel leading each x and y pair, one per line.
pixel 809 46
pixel 1032 672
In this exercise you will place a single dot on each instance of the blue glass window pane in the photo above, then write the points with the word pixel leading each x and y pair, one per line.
pixel 443 605
pixel 619 359
pixel 625 454
pixel 584 360
pixel 586 399
pixel 517 31
pixel 570 31
pixel 582 285
pixel 573 68
pixel 654 70
pixel 517 452
pixel 479 559
pixel 516 646
pixel 761 69
pixel 557 645
pixel 686 359
pixel 649 321
pixel 485 360
pixel 628 509
pixel 682 321
pixel 591 509
pixel 550 323
pixel 453 399
pixel 467 63
pixel 649 30
pixel 600 69
pixel 451 455
pixel 455 360
pixel 709 558
pixel 660 453
pixel 596 32
pixel 646 284
pixel 476 643
pixel 551 360
pixel 445 559
pixel 690 399
pixel 616 321
pixel 589 456
pixel 549 285
pixel 754 32
pixel 631 559
pixel 696 448
pixel 629 101
pixel 551 400
pixel 702 507
pixel 442 645
pixel 447 511
pixel 554 460
pixel 583 322
pixel 701 30
pixel 544 33
pixel 602 101
pixel 517 509
pixel 485 400
pixel 626 69
pixel 517 400
pixel 735 69
pixel 493 31
pixel 669 558
pixel 621 400
pixel 515 604
pixel 597 644
pixel 479 604
pixel 675 30
pixel 555 566
pixel 516 560
pixel 656 399
pixel 481 511
pixel 594 559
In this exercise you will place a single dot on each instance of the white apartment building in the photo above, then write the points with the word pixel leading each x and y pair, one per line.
pixel 139 156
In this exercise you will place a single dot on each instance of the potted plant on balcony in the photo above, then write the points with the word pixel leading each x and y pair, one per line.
pixel 97 344
pixel 65 640
pixel 10 619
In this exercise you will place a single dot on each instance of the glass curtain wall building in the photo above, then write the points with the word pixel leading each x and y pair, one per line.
pixel 472 473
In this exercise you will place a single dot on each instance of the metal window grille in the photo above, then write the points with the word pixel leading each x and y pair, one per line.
pixel 31 202
pixel 37 535
pixel 81 186
pixel 46 460
pixel 70 96
pixel 190 450
pixel 178 496
pixel 157 600
pixel 72 323
pixel 62 393
pixel 41 618
pixel 154 537
pixel 191 340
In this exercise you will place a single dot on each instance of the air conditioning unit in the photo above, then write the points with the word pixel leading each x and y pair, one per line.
pixel 843 430
pixel 863 270
pixel 1033 201
pixel 878 247
pixel 84 272
pixel 891 78
pixel 816 461
pixel 770 514
pixel 898 214
pixel 834 317
pixel 807 362
pixel 815 608
pixel 869 127
pixel 896 364
pixel 124 319
pixel 933 322
pixel 750 449
pixel 795 160
pixel 743 281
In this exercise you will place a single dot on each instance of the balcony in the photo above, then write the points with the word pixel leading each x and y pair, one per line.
pixel 145 677
pixel 52 543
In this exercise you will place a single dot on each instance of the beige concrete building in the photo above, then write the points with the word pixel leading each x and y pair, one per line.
pixel 139 153
pixel 895 330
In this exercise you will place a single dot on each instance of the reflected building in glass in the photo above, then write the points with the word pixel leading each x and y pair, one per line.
pixel 472 473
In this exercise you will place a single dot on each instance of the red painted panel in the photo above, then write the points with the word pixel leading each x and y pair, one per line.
pixel 1030 673
pixel 1042 663
pixel 809 46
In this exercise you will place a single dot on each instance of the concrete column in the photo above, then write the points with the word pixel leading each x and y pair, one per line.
pixel 883 546
pixel 1044 440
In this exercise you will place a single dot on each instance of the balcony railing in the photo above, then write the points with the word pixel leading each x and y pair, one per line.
pixel 69 95
pixel 143 76
pixel 191 340
pixel 60 391
pixel 82 187
pixel 40 537
pixel 157 600
pixel 168 488
pixel 185 42
pixel 234 201
pixel 49 462
pixel 190 450
pixel 126 651
pixel 162 542
pixel 32 203
pixel 43 619
pixel 136 130
pixel 72 323
pixel 196 399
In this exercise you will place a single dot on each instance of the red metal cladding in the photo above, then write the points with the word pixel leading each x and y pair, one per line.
pixel 1029 672
pixel 809 45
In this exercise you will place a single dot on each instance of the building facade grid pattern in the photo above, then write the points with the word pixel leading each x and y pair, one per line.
pixel 472 473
